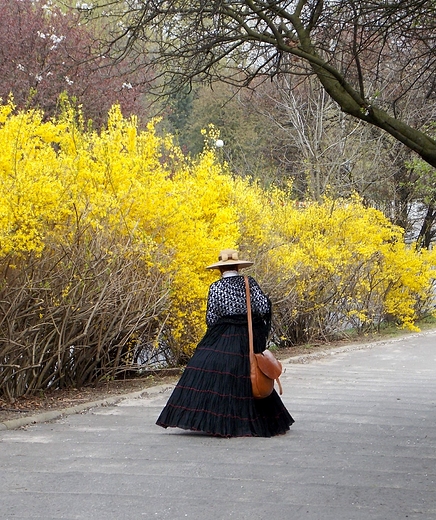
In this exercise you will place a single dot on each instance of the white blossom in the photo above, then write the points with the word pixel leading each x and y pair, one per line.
pixel 84 6
pixel 56 41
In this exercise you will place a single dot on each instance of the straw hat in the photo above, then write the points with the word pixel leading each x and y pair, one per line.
pixel 228 257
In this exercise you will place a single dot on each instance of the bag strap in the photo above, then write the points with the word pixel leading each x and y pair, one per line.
pixel 250 323
pixel 250 328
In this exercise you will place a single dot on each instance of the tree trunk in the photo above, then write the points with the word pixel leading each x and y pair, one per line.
pixel 427 233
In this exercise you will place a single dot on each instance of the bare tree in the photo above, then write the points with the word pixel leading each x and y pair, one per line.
pixel 326 150
pixel 352 47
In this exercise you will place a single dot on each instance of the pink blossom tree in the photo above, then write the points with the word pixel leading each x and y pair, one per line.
pixel 44 52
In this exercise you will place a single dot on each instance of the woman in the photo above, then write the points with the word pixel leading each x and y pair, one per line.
pixel 214 393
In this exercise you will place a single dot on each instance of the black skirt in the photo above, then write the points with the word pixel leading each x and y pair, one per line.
pixel 214 393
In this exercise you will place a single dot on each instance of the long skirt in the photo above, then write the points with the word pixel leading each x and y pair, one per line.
pixel 214 393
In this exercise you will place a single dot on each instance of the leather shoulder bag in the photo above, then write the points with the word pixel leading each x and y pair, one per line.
pixel 264 367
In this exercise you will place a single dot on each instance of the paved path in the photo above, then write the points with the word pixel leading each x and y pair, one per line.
pixel 363 448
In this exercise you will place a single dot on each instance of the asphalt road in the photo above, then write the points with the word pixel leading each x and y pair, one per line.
pixel 363 447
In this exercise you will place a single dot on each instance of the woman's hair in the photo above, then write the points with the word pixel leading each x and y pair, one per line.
pixel 229 268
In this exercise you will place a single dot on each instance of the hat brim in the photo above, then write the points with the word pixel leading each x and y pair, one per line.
pixel 228 263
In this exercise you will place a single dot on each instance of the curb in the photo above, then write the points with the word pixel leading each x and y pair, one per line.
pixel 149 392
pixel 43 417
pixel 305 358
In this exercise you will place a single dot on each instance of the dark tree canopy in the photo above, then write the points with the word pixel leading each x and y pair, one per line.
pixel 368 55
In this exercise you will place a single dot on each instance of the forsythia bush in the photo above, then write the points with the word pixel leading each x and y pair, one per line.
pixel 338 265
pixel 104 239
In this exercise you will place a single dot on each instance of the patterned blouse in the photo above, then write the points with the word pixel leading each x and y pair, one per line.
pixel 227 297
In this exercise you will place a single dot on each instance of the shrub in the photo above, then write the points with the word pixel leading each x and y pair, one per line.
pixel 104 239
